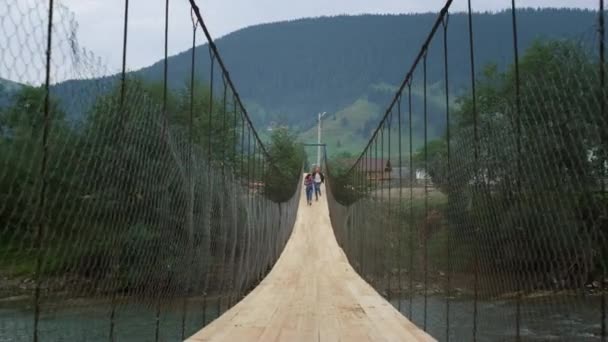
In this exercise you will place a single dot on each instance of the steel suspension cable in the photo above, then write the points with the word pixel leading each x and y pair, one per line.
pixel 215 52
pixel 421 54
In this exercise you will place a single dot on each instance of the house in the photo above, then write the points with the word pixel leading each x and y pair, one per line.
pixel 400 175
pixel 421 175
pixel 377 170
pixel 404 175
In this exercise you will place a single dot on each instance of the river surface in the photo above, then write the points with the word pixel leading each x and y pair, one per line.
pixel 553 318
pixel 542 319
pixel 134 323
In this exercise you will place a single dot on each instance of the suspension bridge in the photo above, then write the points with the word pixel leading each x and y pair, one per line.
pixel 321 299
pixel 132 211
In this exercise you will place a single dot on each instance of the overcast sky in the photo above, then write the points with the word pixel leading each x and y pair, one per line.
pixel 100 21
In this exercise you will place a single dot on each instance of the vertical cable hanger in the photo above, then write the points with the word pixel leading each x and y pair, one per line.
pixel 41 203
pixel 449 173
pixel 235 174
pixel 602 100
pixel 390 211
pixel 382 168
pixel 475 166
pixel 123 87
pixel 374 272
pixel 519 154
pixel 399 223
pixel 166 70
pixel 208 205
pixel 411 213
pixel 210 118
pixel 164 134
pixel 426 189
pixel 224 127
pixel 190 174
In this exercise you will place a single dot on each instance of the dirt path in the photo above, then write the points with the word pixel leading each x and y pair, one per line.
pixel 312 294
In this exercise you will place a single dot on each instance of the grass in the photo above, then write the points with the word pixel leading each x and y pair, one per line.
pixel 341 129
pixel 345 131
pixel 18 260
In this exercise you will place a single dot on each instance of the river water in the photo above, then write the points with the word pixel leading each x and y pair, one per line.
pixel 542 319
pixel 134 323
pixel 549 318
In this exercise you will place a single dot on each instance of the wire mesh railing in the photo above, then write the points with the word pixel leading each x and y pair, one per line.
pixel 494 229
pixel 128 208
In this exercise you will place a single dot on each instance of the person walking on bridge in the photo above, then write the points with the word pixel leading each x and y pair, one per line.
pixel 318 178
pixel 309 186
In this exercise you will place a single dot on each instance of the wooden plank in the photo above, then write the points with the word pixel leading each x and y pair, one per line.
pixel 312 294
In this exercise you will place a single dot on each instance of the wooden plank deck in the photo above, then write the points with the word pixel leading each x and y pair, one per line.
pixel 312 294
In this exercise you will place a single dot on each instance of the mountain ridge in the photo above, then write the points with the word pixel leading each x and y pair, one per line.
pixel 294 69
pixel 288 71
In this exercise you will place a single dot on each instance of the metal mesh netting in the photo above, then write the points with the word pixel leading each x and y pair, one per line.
pixel 128 210
pixel 494 229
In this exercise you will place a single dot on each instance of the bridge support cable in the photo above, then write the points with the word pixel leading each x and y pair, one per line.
pixel 412 174
pixel 400 224
pixel 425 227
pixel 190 171
pixel 165 128
pixel 382 266
pixel 519 153
pixel 476 166
pixel 378 168
pixel 390 265
pixel 41 223
pixel 121 106
pixel 449 227
pixel 602 100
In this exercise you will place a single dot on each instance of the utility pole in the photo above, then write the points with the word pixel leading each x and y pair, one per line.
pixel 319 139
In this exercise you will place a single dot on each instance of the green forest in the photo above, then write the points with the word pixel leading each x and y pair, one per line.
pixel 523 183
pixel 542 151
pixel 134 177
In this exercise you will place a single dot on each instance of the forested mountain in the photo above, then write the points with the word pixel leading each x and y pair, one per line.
pixel 6 89
pixel 7 85
pixel 348 66
pixel 289 71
